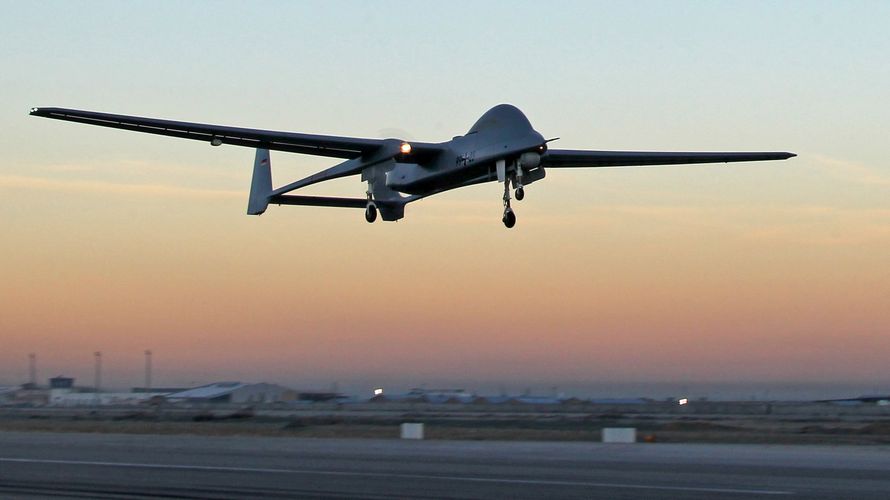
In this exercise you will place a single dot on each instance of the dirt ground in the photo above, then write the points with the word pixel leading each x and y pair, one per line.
pixel 667 428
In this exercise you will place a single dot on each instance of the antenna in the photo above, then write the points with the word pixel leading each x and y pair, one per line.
pixel 147 370
pixel 32 369
pixel 98 356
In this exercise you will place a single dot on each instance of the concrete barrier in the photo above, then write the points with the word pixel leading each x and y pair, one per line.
pixel 619 435
pixel 412 431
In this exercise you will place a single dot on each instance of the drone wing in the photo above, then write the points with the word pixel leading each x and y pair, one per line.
pixel 319 145
pixel 568 158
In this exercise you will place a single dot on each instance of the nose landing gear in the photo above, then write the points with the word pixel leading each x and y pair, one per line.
pixel 509 218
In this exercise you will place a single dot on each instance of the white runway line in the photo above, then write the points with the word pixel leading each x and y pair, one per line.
pixel 545 482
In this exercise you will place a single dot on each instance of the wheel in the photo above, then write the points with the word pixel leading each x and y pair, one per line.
pixel 509 218
pixel 520 194
pixel 371 213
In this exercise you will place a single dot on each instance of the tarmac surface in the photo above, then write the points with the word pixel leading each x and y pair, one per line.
pixel 61 465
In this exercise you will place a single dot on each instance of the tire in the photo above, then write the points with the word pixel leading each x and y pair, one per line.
pixel 509 219
pixel 371 213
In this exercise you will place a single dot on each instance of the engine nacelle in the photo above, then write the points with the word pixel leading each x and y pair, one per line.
pixel 529 160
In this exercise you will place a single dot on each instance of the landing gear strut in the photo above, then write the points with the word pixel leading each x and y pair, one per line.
pixel 520 193
pixel 509 218
pixel 371 209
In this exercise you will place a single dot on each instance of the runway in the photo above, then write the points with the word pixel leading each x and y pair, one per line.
pixel 49 465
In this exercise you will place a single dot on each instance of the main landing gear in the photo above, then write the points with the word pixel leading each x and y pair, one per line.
pixel 371 213
pixel 371 209
pixel 517 182
pixel 509 218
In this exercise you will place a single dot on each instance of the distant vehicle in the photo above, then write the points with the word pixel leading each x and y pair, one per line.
pixel 501 146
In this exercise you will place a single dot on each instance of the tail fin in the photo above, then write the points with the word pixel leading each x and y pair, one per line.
pixel 261 185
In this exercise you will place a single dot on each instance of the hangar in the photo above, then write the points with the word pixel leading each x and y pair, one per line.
pixel 234 392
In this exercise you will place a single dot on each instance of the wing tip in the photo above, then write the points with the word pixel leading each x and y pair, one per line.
pixel 44 111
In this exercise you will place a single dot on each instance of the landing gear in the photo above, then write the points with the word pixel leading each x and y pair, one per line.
pixel 517 182
pixel 371 208
pixel 509 218
pixel 371 212
pixel 514 178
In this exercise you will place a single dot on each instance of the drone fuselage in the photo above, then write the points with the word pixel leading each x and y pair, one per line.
pixel 501 134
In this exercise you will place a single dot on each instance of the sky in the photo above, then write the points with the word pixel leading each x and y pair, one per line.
pixel 763 275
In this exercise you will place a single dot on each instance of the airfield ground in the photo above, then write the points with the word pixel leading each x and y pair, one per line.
pixel 743 422
pixel 700 451
pixel 83 465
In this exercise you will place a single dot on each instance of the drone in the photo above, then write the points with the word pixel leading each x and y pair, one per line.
pixel 501 146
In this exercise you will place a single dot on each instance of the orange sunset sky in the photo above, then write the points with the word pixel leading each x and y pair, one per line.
pixel 771 272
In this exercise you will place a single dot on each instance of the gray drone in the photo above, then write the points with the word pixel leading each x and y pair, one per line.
pixel 501 146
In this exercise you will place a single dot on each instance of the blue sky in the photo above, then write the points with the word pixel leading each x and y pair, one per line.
pixel 806 76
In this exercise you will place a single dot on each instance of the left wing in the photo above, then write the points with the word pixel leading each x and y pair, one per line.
pixel 319 145
pixel 568 158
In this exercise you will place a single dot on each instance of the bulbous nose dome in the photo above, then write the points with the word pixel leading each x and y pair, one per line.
pixel 504 117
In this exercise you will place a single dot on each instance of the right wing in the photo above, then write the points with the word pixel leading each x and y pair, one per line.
pixel 318 145
pixel 568 158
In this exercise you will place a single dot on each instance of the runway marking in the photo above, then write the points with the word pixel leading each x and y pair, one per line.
pixel 543 482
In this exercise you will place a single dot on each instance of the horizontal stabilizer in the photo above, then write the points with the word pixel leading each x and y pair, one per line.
pixel 326 201
pixel 389 210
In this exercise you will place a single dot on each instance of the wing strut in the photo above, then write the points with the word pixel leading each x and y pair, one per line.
pixel 261 184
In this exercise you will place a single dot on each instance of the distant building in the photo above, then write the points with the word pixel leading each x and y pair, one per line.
pixel 30 397
pixel 7 393
pixel 537 400
pixel 445 395
pixel 880 400
pixel 61 382
pixel 235 392
pixel 436 396
pixel 320 396
pixel 496 400
pixel 158 390
pixel 70 398
pixel 619 401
